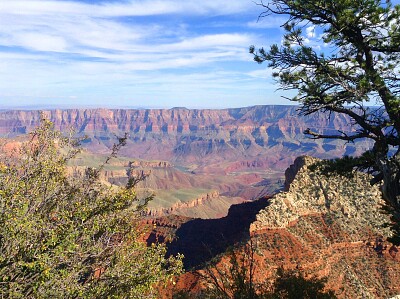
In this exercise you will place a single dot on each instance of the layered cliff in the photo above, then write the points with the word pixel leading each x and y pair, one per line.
pixel 263 135
pixel 279 119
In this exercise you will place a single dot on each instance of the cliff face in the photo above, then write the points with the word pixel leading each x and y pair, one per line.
pixel 328 226
pixel 280 119
pixel 264 135
pixel 239 152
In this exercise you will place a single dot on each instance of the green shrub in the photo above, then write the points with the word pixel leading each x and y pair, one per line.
pixel 64 236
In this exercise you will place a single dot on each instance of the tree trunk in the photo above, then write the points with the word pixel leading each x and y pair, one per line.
pixel 391 192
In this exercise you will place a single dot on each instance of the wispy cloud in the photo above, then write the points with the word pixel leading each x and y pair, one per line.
pixel 77 48
pixel 125 8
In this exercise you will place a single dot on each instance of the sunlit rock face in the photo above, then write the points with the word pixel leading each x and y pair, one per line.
pixel 344 199
pixel 329 227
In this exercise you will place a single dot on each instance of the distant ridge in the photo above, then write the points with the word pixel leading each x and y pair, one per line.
pixel 267 136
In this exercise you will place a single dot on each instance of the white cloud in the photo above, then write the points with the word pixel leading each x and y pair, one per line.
pixel 209 41
pixel 62 26
pixel 62 48
pixel 261 74
pixel 39 42
pixel 71 32
pixel 310 31
pixel 117 9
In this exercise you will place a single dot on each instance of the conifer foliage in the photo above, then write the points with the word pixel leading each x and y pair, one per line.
pixel 343 57
pixel 71 237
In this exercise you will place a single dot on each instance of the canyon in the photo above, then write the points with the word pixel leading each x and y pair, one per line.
pixel 240 153
pixel 224 177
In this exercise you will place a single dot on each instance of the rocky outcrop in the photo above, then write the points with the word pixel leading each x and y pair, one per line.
pixel 311 193
pixel 321 226
pixel 330 227
pixel 174 209
pixel 294 168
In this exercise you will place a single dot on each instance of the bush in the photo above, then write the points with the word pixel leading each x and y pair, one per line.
pixel 293 285
pixel 71 237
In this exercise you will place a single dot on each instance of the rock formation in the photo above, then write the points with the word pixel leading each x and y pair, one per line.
pixel 174 209
pixel 330 227
pixel 349 201
pixel 323 226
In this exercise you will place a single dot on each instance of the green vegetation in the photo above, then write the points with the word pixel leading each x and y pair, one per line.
pixel 347 61
pixel 293 285
pixel 72 237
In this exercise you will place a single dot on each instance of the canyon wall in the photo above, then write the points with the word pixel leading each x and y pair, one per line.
pixel 282 120
pixel 258 136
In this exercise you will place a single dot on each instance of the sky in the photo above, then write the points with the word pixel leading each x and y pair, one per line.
pixel 136 53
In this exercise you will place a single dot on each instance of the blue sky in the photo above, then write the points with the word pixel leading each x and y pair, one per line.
pixel 135 53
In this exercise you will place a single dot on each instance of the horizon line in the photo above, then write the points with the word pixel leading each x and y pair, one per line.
pixel 94 107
